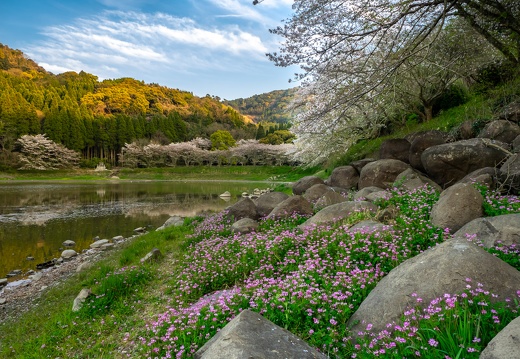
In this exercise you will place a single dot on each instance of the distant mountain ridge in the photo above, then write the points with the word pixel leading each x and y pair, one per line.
pixel 97 118
pixel 267 107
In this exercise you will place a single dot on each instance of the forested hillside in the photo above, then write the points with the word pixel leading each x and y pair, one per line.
pixel 267 107
pixel 97 118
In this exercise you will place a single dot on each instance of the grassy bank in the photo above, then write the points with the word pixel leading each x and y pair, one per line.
pixel 211 173
pixel 309 282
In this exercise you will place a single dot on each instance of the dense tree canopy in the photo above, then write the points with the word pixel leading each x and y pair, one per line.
pixel 365 63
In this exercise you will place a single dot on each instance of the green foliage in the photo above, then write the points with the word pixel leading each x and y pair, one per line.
pixel 278 137
pixel 222 140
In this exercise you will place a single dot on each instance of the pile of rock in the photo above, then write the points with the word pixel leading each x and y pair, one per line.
pixel 428 158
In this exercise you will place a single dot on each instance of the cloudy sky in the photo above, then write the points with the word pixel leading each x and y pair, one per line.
pixel 214 47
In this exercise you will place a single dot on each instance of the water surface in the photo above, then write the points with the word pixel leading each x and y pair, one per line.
pixel 37 217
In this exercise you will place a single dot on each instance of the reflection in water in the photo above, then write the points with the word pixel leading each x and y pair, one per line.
pixel 37 217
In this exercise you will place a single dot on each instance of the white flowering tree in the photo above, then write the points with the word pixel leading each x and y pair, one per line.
pixel 40 153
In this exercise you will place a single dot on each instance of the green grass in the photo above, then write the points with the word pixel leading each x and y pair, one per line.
pixel 214 173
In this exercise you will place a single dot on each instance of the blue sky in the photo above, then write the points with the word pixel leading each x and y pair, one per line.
pixel 214 47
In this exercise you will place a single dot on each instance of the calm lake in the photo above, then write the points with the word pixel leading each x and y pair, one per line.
pixel 37 217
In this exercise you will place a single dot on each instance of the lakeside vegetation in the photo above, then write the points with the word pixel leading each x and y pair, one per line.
pixel 297 279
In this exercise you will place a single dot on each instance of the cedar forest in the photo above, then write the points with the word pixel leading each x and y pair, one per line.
pixel 97 118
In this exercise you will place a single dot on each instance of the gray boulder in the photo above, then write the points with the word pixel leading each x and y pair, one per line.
pixel 485 176
pixel 510 112
pixel 441 269
pixel 68 253
pixel 339 211
pixel 245 208
pixel 99 243
pixel 381 173
pixel 3 281
pixel 267 202
pixel 244 225
pixel 364 192
pixel 294 204
pixel 359 164
pixel 421 141
pixel 316 191
pixel 80 299
pixel 516 144
pixel 411 179
pixel 446 164
pixel 457 206
pixel 303 184
pixel 395 148
pixel 249 335
pixel 344 177
pixel 69 243
pixel 153 256
pixel 506 344
pixel 330 198
pixel 174 221
pixel 500 130
pixel 509 174
pixel 490 230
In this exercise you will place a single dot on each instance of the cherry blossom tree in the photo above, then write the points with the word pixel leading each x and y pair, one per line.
pixel 40 153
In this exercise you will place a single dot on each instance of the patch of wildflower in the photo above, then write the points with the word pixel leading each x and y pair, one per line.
pixel 509 253
pixel 450 326
pixel 496 204
pixel 309 281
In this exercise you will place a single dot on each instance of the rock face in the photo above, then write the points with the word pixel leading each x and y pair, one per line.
pixel 245 208
pixel 396 148
pixel 250 335
pixel 500 130
pixel 174 221
pixel 490 230
pixel 421 141
pixel 439 270
pixel 381 173
pixel 506 344
pixel 294 204
pixel 305 183
pixel 267 202
pixel 245 225
pixel 344 177
pixel 339 211
pixel 457 206
pixel 446 164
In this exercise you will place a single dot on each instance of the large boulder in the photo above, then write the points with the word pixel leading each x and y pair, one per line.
pixel 344 177
pixel 421 141
pixel 249 335
pixel 330 198
pixel 268 201
pixel 174 221
pixel 364 192
pixel 439 270
pixel 411 179
pixel 506 344
pixel 68 254
pixel 509 174
pixel 381 173
pixel 395 148
pixel 467 130
pixel 316 191
pixel 359 164
pixel 339 211
pixel 500 130
pixel 486 176
pixel 244 225
pixel 448 163
pixel 303 184
pixel 245 208
pixel 457 206
pixel 292 205
pixel 490 230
